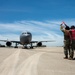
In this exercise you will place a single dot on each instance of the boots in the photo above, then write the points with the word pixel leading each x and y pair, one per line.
pixel 66 57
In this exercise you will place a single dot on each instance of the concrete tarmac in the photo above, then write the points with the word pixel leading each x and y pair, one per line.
pixel 37 61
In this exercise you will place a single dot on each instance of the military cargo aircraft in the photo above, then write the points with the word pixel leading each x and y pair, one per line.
pixel 25 39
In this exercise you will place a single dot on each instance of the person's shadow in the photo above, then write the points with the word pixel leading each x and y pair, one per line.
pixel 73 58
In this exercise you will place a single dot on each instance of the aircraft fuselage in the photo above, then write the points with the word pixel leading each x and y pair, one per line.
pixel 25 38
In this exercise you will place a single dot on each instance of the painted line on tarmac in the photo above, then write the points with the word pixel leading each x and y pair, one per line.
pixel 29 66
pixel 9 64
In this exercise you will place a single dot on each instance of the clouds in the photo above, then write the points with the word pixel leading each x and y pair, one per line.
pixel 28 25
pixel 41 30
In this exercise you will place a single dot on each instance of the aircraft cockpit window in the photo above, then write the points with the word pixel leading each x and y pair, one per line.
pixel 28 33
pixel 23 33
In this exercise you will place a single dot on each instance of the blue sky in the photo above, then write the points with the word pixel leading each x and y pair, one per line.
pixel 41 17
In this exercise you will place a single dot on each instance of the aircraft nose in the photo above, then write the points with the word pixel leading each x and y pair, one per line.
pixel 26 34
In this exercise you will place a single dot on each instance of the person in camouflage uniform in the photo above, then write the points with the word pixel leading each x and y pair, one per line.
pixel 65 30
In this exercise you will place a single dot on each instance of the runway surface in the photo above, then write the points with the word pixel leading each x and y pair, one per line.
pixel 38 61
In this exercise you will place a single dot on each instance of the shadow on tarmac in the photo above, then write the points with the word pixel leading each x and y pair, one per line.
pixel 73 58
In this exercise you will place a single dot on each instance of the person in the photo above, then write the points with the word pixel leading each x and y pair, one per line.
pixel 65 30
pixel 72 37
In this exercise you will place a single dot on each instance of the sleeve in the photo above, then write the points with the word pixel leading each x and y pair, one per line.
pixel 62 28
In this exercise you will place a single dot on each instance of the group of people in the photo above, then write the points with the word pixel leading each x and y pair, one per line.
pixel 69 40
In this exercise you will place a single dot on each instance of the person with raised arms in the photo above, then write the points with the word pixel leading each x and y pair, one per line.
pixel 65 29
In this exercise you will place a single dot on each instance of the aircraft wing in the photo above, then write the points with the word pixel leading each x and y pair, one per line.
pixel 4 40
pixel 11 41
pixel 41 41
pixel 16 42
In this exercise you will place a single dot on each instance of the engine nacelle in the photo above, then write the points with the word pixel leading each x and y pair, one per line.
pixel 8 43
pixel 39 44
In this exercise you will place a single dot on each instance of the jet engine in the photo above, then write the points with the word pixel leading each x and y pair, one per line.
pixel 8 43
pixel 39 44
